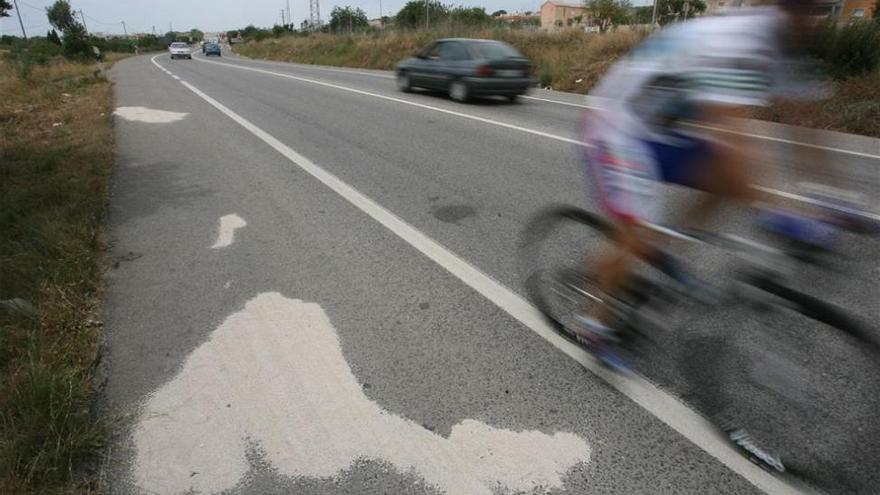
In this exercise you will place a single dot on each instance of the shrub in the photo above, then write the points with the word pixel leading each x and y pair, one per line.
pixel 849 50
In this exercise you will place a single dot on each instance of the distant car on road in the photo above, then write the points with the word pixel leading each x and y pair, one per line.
pixel 212 49
pixel 179 49
pixel 466 68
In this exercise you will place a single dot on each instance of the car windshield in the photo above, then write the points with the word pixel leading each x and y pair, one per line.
pixel 492 49
pixel 178 45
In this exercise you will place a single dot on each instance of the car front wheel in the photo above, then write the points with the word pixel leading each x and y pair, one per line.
pixel 403 82
pixel 459 91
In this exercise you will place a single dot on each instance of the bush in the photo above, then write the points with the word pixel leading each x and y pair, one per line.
pixel 847 51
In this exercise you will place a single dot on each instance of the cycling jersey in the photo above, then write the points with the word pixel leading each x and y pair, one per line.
pixel 726 60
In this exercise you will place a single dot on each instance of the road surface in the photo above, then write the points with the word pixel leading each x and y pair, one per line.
pixel 315 290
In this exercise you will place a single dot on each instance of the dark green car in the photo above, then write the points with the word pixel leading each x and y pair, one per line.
pixel 466 68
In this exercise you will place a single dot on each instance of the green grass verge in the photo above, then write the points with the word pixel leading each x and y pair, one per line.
pixel 56 153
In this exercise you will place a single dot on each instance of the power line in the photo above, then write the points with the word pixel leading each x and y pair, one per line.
pixel 41 9
pixel 101 22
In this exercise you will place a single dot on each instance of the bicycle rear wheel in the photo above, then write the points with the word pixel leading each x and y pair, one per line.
pixel 802 384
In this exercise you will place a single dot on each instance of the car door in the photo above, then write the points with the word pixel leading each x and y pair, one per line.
pixel 420 72
pixel 449 64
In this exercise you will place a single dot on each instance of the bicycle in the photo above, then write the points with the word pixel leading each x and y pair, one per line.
pixel 558 283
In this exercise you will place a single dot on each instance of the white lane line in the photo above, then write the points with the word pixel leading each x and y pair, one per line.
pixel 578 105
pixel 525 129
pixel 405 102
pixel 559 102
pixel 668 409
pixel 816 202
pixel 508 126
pixel 175 77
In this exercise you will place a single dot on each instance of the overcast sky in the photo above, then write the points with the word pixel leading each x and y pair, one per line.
pixel 211 15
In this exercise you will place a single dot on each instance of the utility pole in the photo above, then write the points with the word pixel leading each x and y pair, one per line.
pixel 154 30
pixel 314 14
pixel 23 34
pixel 282 17
pixel 427 14
pixel 124 29
pixel 289 15
pixel 380 12
pixel 654 15
pixel 83 17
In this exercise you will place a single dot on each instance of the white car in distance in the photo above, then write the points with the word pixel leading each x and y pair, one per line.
pixel 179 49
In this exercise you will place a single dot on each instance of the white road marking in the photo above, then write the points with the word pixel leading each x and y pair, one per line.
pixel 274 374
pixel 559 102
pixel 578 105
pixel 228 284
pixel 226 230
pixel 665 407
pixel 525 129
pixel 175 77
pixel 405 102
pixel 148 115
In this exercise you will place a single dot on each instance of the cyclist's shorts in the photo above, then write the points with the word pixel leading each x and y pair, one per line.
pixel 683 162
pixel 625 172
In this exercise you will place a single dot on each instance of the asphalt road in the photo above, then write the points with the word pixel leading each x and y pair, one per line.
pixel 315 291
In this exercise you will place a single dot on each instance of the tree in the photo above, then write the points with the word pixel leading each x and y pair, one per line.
pixel 504 12
pixel 609 13
pixel 61 17
pixel 678 10
pixel 53 37
pixel 473 16
pixel 412 15
pixel 195 35
pixel 231 34
pixel 643 15
pixel 5 7
pixel 347 18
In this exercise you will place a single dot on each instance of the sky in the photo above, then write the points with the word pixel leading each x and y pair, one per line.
pixel 212 15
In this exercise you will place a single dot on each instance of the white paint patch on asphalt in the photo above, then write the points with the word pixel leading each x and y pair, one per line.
pixel 226 231
pixel 657 402
pixel 228 284
pixel 274 373
pixel 148 115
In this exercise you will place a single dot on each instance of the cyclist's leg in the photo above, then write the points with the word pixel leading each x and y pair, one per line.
pixel 622 173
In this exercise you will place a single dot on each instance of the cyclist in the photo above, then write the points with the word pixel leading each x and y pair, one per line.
pixel 707 70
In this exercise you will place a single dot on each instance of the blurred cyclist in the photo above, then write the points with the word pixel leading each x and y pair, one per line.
pixel 703 70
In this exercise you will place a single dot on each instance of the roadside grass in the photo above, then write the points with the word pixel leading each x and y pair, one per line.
pixel 570 61
pixel 56 153
pixel 566 61
pixel 854 108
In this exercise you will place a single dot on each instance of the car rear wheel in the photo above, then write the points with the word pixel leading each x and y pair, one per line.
pixel 459 91
pixel 512 98
pixel 403 82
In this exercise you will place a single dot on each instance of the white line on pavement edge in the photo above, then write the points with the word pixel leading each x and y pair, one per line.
pixel 776 192
pixel 668 409
pixel 580 105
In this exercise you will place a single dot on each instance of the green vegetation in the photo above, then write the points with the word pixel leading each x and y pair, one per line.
pixel 347 19
pixel 56 151
pixel 848 50
pixel 568 61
